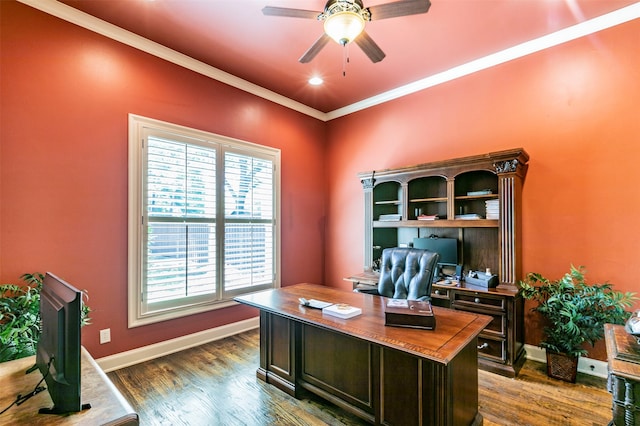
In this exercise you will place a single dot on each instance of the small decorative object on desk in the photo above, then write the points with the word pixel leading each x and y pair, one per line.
pixel 480 279
pixel 342 310
pixel 632 325
pixel 409 313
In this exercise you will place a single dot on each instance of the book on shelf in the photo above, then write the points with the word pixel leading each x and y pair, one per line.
pixel 342 310
pixel 428 217
pixel 468 216
pixel 409 313
pixel 480 192
pixel 389 217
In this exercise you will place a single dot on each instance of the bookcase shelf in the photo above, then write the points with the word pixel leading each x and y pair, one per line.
pixel 473 188
pixel 439 223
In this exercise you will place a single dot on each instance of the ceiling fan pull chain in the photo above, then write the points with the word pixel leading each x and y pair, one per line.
pixel 345 59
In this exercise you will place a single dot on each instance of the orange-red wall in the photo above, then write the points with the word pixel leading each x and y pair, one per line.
pixel 65 96
pixel 66 93
pixel 574 108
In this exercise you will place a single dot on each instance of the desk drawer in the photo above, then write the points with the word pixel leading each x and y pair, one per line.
pixel 479 300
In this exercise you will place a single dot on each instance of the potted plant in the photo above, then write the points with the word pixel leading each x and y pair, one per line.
pixel 20 317
pixel 575 312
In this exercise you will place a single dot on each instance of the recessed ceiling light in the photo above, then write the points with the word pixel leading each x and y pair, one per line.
pixel 315 81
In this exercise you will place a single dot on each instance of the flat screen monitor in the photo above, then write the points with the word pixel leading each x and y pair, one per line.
pixel 58 354
pixel 447 248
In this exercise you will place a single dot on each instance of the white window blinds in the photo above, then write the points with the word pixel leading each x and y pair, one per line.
pixel 180 227
pixel 203 226
pixel 249 226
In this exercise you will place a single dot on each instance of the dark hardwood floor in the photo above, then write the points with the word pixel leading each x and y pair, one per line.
pixel 216 384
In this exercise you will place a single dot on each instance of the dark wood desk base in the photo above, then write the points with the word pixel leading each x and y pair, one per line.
pixel 360 372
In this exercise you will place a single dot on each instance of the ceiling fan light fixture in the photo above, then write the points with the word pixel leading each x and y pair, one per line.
pixel 344 27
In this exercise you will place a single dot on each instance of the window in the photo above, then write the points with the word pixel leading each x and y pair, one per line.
pixel 203 227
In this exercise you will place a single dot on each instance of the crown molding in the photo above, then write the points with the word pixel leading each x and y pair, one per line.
pixel 620 16
pixel 67 13
pixel 91 23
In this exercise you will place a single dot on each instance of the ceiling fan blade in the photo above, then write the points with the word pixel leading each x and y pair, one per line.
pixel 369 47
pixel 399 8
pixel 314 49
pixel 290 13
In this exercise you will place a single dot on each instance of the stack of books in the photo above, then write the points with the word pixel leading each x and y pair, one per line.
pixel 428 217
pixel 493 210
pixel 468 216
pixel 342 310
pixel 390 217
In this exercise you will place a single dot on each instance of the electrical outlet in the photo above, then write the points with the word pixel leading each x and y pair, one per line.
pixel 105 336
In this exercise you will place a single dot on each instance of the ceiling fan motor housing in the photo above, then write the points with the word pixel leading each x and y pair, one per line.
pixel 344 20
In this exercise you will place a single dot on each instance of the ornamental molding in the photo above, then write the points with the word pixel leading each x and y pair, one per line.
pixel 509 166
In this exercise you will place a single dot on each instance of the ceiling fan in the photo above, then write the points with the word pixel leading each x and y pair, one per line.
pixel 344 22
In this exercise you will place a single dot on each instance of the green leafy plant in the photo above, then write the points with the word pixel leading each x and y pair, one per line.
pixel 575 312
pixel 20 317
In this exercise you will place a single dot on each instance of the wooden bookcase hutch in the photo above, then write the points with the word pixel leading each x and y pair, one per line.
pixel 456 191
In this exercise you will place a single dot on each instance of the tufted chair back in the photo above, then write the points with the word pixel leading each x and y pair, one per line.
pixel 407 273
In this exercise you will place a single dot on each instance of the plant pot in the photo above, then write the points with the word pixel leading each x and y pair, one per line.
pixel 562 366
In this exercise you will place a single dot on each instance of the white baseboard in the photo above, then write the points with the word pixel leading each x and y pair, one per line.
pixel 585 365
pixel 135 356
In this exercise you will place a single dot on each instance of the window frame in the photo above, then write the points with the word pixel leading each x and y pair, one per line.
pixel 139 128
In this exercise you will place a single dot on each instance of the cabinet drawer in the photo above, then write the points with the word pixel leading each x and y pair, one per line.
pixel 440 301
pixel 479 300
pixel 498 324
pixel 493 349
pixel 440 292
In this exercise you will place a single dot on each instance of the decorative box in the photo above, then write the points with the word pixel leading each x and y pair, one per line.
pixel 409 313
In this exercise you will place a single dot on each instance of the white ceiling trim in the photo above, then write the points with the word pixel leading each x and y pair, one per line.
pixel 106 29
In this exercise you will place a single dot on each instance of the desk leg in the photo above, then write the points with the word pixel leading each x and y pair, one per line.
pixel 277 352
pixel 417 391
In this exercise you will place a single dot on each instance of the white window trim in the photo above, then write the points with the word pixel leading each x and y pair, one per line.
pixel 137 124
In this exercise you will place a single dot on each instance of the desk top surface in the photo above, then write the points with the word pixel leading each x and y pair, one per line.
pixel 453 331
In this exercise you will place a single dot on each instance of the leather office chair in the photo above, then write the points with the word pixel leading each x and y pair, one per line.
pixel 405 273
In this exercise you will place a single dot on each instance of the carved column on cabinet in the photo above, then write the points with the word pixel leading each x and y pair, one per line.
pixel 404 188
pixel 367 186
pixel 510 176
pixel 451 208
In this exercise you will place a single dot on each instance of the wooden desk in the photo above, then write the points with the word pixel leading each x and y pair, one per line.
pixel 623 356
pixel 108 406
pixel 383 374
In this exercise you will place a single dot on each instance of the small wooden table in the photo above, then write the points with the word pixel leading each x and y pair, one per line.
pixel 108 406
pixel 386 375
pixel 623 356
